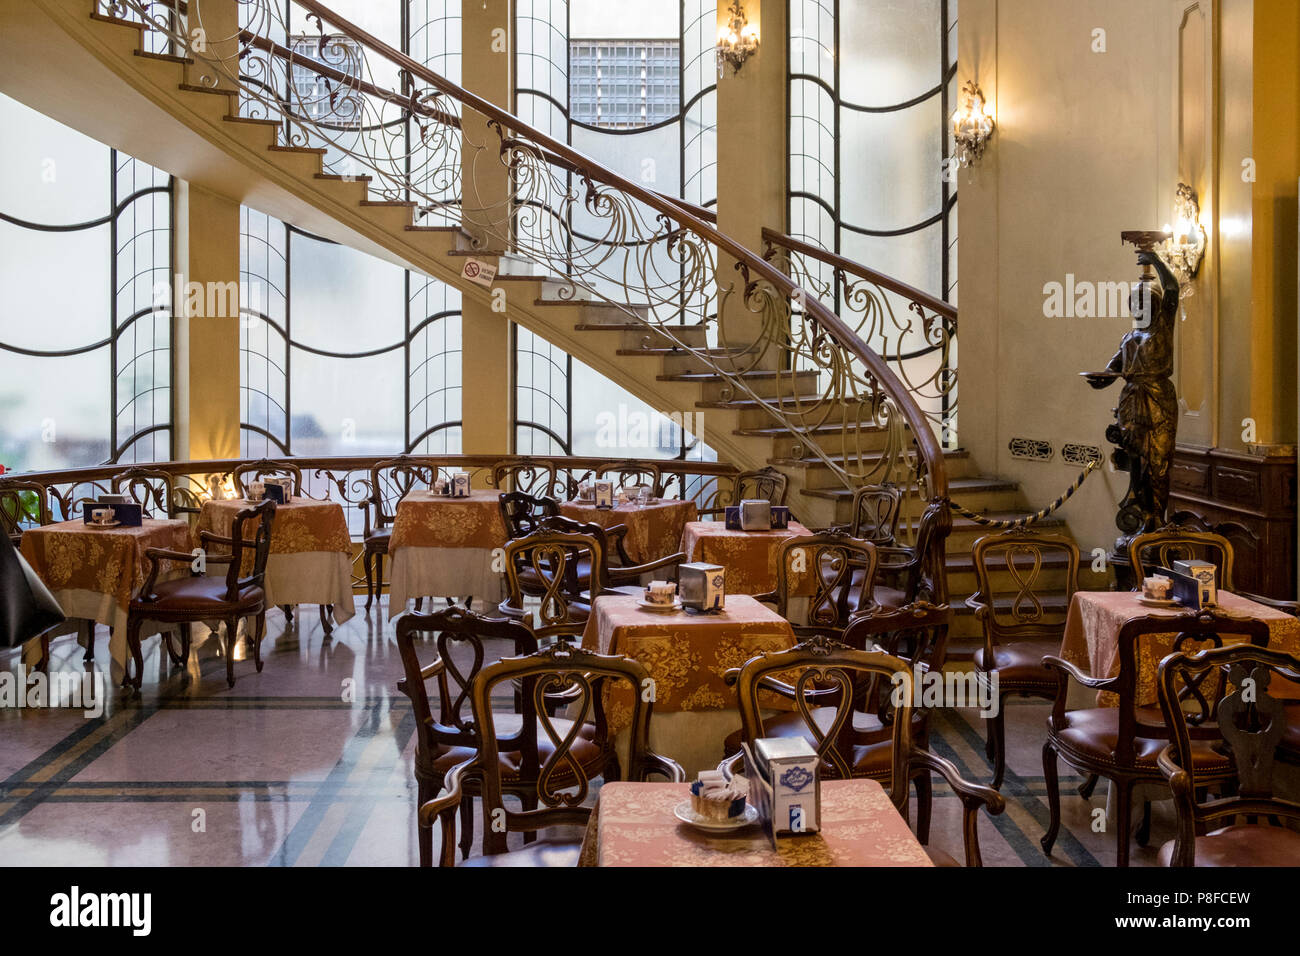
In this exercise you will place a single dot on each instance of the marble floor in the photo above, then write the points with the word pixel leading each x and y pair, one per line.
pixel 309 764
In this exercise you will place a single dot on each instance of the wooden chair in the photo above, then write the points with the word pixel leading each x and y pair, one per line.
pixel 154 490
pixel 1019 626
pixel 565 570
pixel 22 503
pixel 626 574
pixel 390 480
pixel 907 574
pixel 200 598
pixel 838 564
pixel 765 483
pixel 529 476
pixel 876 510
pixel 263 468
pixel 1161 548
pixel 836 677
pixel 1250 725
pixel 562 762
pixel 450 738
pixel 523 513
pixel 1122 743
pixel 627 474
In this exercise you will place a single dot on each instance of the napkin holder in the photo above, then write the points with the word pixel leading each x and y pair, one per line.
pixel 272 490
pixel 604 494
pixel 125 513
pixel 1188 591
pixel 784 785
pixel 1205 574
pixel 756 515
pixel 460 484
pixel 701 586
pixel 733 518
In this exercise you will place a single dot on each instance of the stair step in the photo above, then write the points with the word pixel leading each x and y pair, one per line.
pixel 590 303
pixel 318 150
pixel 165 57
pixel 757 375
pixel 621 326
pixel 252 120
pixel 485 253
pixel 812 461
pixel 777 431
pixel 672 350
pixel 410 227
pixel 117 21
pixel 955 486
pixel 195 88
pixel 339 177
pixel 407 203
pixel 804 401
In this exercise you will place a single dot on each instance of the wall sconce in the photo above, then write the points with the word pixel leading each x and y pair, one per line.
pixel 1185 248
pixel 737 41
pixel 972 124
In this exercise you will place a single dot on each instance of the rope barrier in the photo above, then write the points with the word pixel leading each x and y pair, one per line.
pixel 1007 523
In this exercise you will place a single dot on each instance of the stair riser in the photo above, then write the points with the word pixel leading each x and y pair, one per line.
pixel 765 387
pixel 689 335
pixel 819 475
pixel 964 582
pixel 844 442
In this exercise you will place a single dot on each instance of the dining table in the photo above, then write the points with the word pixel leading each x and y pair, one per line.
pixel 443 546
pixel 310 559
pixel 687 656
pixel 1094 619
pixel 654 529
pixel 633 824
pixel 94 572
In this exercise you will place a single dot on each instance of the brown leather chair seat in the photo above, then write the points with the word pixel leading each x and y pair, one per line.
pixel 198 594
pixel 1020 663
pixel 1094 732
pixel 1242 846
pixel 545 853
pixel 584 750
pixel 377 541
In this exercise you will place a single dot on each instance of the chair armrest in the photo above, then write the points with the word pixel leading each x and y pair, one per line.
pixel 664 766
pixel 768 597
pixel 155 557
pixel 1288 607
pixel 634 571
pixel 973 796
pixel 1096 683
pixel 732 765
pixel 444 807
pixel 207 536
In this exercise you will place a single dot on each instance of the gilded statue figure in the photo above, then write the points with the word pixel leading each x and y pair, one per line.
pixel 1146 417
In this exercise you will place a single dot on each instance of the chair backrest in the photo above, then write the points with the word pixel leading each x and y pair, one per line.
pixel 876 509
pixel 1162 547
pixel 248 471
pixel 551 560
pixel 827 673
pixel 22 504
pixel 1197 701
pixel 260 517
pixel 1027 562
pixel 523 514
pixel 562 782
pixel 459 633
pixel 1249 724
pixel 392 479
pixel 915 633
pixel 841 570
pixel 152 489
pixel 532 477
pixel 629 473
pixel 765 483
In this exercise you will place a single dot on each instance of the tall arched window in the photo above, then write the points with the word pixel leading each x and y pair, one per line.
pixel 86 325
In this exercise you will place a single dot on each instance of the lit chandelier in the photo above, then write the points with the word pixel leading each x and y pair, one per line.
pixel 972 124
pixel 737 41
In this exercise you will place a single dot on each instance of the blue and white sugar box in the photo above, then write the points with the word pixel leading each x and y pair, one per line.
pixel 460 484
pixel 788 768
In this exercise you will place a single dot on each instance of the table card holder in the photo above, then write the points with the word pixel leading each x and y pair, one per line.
pixel 780 517
pixel 460 484
pixel 784 785
pixel 604 494
pixel 1189 591
pixel 702 587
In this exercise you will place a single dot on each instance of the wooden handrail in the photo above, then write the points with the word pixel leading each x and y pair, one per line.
pixel 754 266
pixel 938 306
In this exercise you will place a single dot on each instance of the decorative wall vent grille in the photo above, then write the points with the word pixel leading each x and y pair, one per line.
pixel 1031 448
pixel 1075 454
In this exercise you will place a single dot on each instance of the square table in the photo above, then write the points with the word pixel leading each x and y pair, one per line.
pixel 310 561
pixel 687 656
pixel 750 557
pixel 632 824
pixel 654 530
pixel 94 572
pixel 1095 618
pixel 444 547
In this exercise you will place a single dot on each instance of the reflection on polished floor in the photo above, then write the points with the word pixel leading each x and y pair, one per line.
pixel 309 764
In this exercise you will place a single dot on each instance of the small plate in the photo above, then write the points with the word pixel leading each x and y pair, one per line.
pixel 103 524
pixel 661 608
pixel 1157 602
pixel 685 812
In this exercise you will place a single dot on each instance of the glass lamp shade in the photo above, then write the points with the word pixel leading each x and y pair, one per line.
pixel 27 608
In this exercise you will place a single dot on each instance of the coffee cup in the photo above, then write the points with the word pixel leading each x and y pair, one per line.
pixel 101 515
pixel 661 592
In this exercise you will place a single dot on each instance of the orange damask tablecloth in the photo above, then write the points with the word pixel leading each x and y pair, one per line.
pixel 94 572
pixel 443 547
pixel 632 824
pixel 311 551
pixel 1095 618
pixel 750 557
pixel 654 530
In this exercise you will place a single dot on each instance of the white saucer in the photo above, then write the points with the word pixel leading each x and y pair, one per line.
pixel 1157 602
pixel 685 812
pixel 103 524
pixel 660 608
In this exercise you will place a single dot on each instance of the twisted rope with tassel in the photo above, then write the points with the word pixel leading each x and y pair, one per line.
pixel 1036 516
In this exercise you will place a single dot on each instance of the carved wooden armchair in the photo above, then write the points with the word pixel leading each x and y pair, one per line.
pixel 536 478
pixel 1122 743
pixel 200 598
pixel 840 680
pixel 248 471
pixel 563 762
pixel 837 565
pixel 390 480
pixel 626 474
pixel 627 573
pixel 22 503
pixel 565 570
pixel 155 491
pixel 765 483
pixel 876 510
pixel 909 573
pixel 1184 540
pixel 1020 626
pixel 523 513
pixel 1239 829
